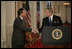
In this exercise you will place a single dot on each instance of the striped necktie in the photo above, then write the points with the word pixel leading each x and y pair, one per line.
pixel 50 22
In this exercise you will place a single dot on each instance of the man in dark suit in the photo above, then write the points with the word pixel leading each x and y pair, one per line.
pixel 50 20
pixel 19 29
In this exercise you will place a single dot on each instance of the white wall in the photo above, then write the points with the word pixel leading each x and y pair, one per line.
pixel 7 19
pixel 3 24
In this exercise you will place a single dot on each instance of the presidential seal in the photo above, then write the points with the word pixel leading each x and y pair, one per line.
pixel 57 34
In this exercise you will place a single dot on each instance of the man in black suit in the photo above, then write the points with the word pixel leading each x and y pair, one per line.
pixel 50 20
pixel 19 29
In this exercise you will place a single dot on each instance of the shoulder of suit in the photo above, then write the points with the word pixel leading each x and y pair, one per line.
pixel 56 16
pixel 53 16
pixel 17 19
pixel 45 18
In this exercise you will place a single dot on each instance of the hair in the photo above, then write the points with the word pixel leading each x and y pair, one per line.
pixel 50 9
pixel 20 11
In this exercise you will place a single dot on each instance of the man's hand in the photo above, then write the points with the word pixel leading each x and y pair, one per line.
pixel 35 30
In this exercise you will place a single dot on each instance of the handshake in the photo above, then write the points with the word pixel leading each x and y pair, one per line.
pixel 35 31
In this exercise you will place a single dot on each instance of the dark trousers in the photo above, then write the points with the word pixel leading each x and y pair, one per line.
pixel 18 44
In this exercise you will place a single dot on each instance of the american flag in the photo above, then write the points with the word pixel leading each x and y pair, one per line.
pixel 28 19
pixel 28 16
pixel 38 14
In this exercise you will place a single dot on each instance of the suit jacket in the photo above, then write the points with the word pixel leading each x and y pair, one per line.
pixel 18 37
pixel 55 22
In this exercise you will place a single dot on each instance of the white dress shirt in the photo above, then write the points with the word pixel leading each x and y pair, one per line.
pixel 21 17
pixel 51 17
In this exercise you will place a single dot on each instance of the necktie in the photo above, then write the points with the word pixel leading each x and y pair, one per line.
pixel 50 22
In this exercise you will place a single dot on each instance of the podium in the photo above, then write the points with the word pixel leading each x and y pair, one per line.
pixel 56 35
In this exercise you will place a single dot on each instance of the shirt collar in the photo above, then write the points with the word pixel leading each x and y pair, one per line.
pixel 51 17
pixel 21 17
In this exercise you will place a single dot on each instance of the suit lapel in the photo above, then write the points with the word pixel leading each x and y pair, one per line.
pixel 48 21
pixel 20 20
pixel 53 20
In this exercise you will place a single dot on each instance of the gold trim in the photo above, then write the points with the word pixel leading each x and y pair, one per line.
pixel 60 33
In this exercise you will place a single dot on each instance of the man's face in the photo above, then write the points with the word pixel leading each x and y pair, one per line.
pixel 48 14
pixel 24 13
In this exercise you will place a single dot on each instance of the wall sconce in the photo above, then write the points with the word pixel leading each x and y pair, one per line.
pixel 24 2
pixel 66 4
